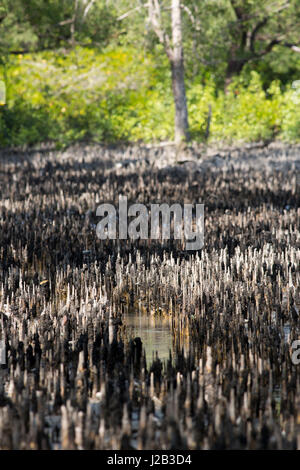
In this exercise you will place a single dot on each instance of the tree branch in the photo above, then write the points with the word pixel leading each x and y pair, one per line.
pixel 238 11
pixel 294 47
pixel 263 22
pixel 69 21
pixel 194 22
pixel 269 48
pixel 259 25
pixel 87 8
pixel 155 20
pixel 128 13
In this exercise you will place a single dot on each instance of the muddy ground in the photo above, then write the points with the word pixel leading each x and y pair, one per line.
pixel 76 376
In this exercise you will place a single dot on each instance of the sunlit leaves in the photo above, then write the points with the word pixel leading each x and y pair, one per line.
pixel 125 95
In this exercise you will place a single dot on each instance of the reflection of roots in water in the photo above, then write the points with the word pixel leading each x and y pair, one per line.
pixel 159 334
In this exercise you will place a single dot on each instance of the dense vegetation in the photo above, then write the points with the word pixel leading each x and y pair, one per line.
pixel 100 73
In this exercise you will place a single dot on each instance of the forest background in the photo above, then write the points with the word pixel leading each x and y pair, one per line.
pixel 118 71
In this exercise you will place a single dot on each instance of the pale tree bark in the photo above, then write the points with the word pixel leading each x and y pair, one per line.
pixel 174 52
pixel 178 85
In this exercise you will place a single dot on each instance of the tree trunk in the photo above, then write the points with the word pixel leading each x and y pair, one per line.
pixel 234 67
pixel 177 69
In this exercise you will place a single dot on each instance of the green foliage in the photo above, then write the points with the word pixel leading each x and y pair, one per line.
pixel 248 113
pixel 95 70
pixel 125 95
pixel 291 116
pixel 84 95
pixel 225 35
pixel 36 25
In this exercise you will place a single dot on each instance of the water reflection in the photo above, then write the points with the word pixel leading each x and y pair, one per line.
pixel 155 333
pixel 277 398
pixel 287 332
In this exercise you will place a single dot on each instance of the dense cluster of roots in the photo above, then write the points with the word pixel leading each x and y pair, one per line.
pixel 73 378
